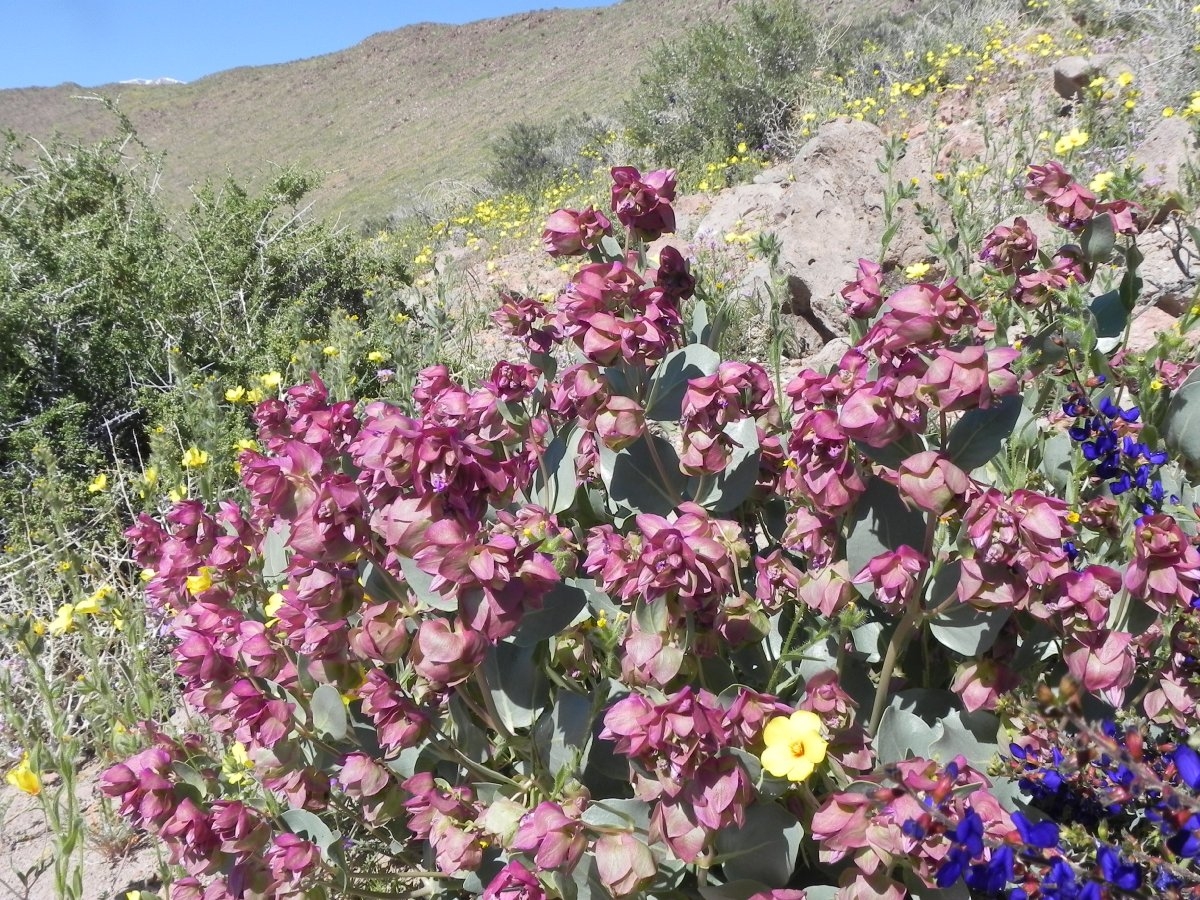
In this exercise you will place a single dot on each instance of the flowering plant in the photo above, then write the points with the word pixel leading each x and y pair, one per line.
pixel 627 620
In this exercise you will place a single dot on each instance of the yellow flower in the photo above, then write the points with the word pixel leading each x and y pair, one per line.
pixel 245 444
pixel 254 395
pixel 98 484
pixel 271 380
pixel 200 582
pixel 91 606
pixel 1100 183
pixel 916 271
pixel 23 778
pixel 1168 112
pixel 235 764
pixel 331 351
pixel 794 745
pixel 63 621
pixel 235 394
pixel 150 476
pixel 273 605
pixel 1070 141
pixel 194 458
pixel 376 356
pixel 741 147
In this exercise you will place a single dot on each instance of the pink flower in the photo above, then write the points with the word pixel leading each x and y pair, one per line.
pixel 970 378
pixel 399 722
pixel 864 295
pixel 623 863
pixel 514 882
pixel 931 482
pixel 569 232
pixel 895 576
pixel 1068 203
pixel 446 656
pixel 980 684
pixel 1010 249
pixel 881 412
pixel 528 319
pixel 555 839
pixel 822 463
pixel 291 858
pixel 643 203
pixel 827 591
pixel 1165 571
pixel 1103 662
pixel 619 422
pixel 672 276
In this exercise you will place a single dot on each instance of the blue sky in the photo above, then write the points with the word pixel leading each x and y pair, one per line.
pixel 94 42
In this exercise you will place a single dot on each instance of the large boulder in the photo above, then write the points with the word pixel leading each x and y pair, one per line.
pixel 827 211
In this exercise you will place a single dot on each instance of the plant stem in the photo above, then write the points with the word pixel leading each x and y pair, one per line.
pixel 900 638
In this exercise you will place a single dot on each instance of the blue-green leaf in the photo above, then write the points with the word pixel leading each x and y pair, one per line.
pixel 967 630
pixel 309 826
pixel 764 849
pixel 517 686
pixel 1182 427
pixel 882 522
pixel 1098 239
pixel 978 436
pixel 421 584
pixel 563 732
pixel 560 608
pixel 554 482
pixel 635 481
pixel 670 380
pixel 329 712
pixel 1110 314
pixel 275 552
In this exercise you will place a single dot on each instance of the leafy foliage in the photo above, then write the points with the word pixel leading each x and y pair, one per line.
pixel 721 85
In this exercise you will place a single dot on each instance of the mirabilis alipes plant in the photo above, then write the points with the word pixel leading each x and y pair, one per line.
pixel 625 621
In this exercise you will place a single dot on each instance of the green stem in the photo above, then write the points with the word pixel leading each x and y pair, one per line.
pixel 896 646
pixel 784 651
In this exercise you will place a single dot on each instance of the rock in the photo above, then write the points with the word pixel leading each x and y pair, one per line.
pixel 1072 75
pixel 1146 327
pixel 1164 152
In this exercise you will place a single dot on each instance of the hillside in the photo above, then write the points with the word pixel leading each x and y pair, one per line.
pixel 384 119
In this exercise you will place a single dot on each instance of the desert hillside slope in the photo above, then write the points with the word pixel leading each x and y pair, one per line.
pixel 385 118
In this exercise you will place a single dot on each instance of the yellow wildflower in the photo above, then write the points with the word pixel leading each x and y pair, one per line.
pixel 63 621
pixel 1168 112
pixel 1071 141
pixel 376 356
pixel 235 394
pixel 254 395
pixel 331 351
pixel 271 380
pixel 150 476
pixel 1100 183
pixel 194 458
pixel 795 746
pixel 916 271
pixel 98 484
pixel 200 582
pixel 23 778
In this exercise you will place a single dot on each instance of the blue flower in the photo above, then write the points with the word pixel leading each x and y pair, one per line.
pixel 1187 764
pixel 1126 876
pixel 1041 834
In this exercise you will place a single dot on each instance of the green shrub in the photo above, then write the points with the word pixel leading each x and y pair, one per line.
pixel 105 299
pixel 724 84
